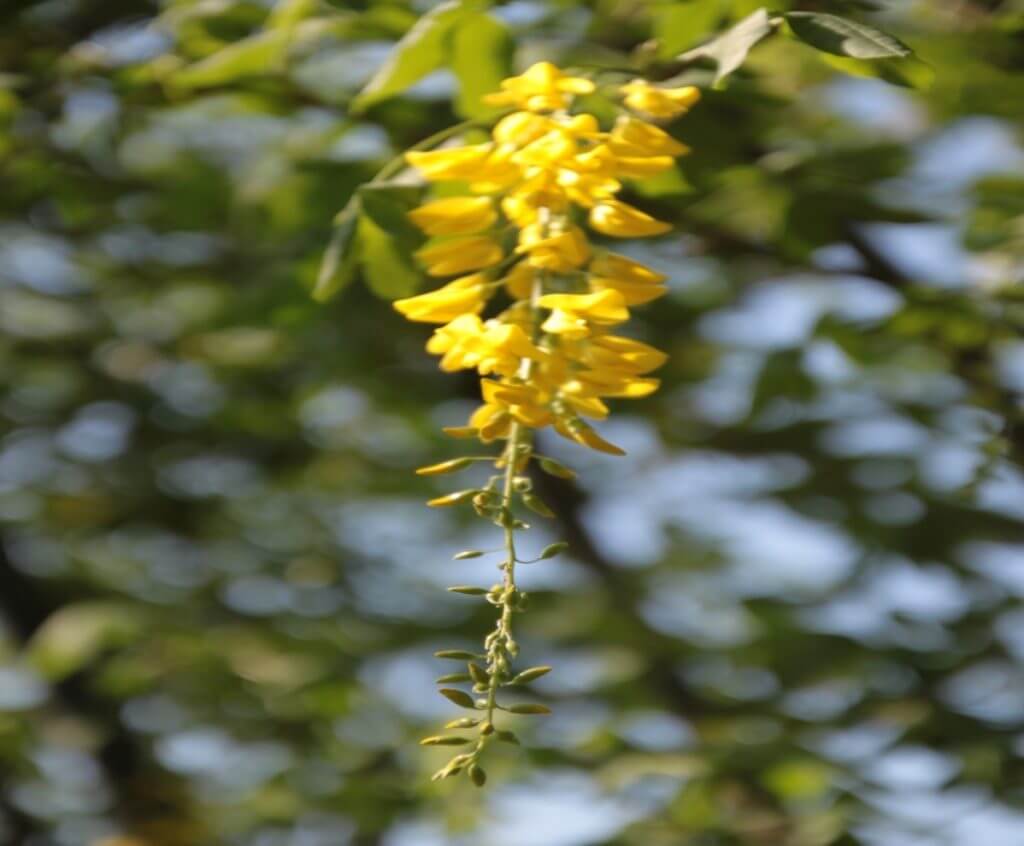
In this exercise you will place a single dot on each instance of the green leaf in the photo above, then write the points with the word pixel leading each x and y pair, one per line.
pixel 444 740
pixel 909 72
pixel 680 25
pixel 467 553
pixel 389 205
pixel 342 256
pixel 469 590
pixel 75 635
pixel 843 37
pixel 459 697
pixel 481 57
pixel 457 655
pixel 730 49
pixel 422 50
pixel 256 55
pixel 387 240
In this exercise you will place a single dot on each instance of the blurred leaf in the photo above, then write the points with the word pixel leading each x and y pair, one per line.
pixel 256 55
pixel 422 50
pixel 680 25
pixel 482 50
pixel 844 37
pixel 388 270
pixel 909 72
pixel 782 375
pixel 389 206
pixel 387 240
pixel 799 780
pixel 342 256
pixel 287 13
pixel 671 183
pixel 730 49
pixel 73 636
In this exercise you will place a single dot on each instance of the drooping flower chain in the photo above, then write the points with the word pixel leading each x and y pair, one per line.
pixel 549 358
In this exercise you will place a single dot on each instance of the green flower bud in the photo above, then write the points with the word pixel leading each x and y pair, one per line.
pixel 528 708
pixel 553 549
pixel 555 468
pixel 530 674
pixel 477 775
pixel 535 503
pixel 444 740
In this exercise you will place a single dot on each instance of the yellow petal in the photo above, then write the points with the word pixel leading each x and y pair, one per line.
pixel 455 216
pixel 463 296
pixel 565 324
pixel 659 102
pixel 459 254
pixel 449 163
pixel 615 266
pixel 632 137
pixel 520 128
pixel 619 220
pixel 600 307
pixel 632 294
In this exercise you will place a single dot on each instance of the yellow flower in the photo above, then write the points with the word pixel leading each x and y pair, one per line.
pixel 576 430
pixel 637 284
pixel 466 295
pixel 659 102
pixel 541 88
pixel 603 307
pixel 503 347
pixel 491 422
pixel 566 324
pixel 458 343
pixel 520 128
pixel 520 280
pixel 632 137
pixel 642 167
pixel 628 355
pixel 625 269
pixel 450 163
pixel 560 252
pixel 455 216
pixel 619 220
pixel 524 402
pixel 457 255
pixel 542 166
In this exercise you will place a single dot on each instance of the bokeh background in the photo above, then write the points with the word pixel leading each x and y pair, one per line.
pixel 791 615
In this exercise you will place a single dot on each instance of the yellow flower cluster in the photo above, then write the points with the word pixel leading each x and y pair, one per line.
pixel 549 358
pixel 509 227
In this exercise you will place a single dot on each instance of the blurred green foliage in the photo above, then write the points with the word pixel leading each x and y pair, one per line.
pixel 791 614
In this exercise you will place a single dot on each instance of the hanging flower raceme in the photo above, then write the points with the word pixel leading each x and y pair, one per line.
pixel 510 229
